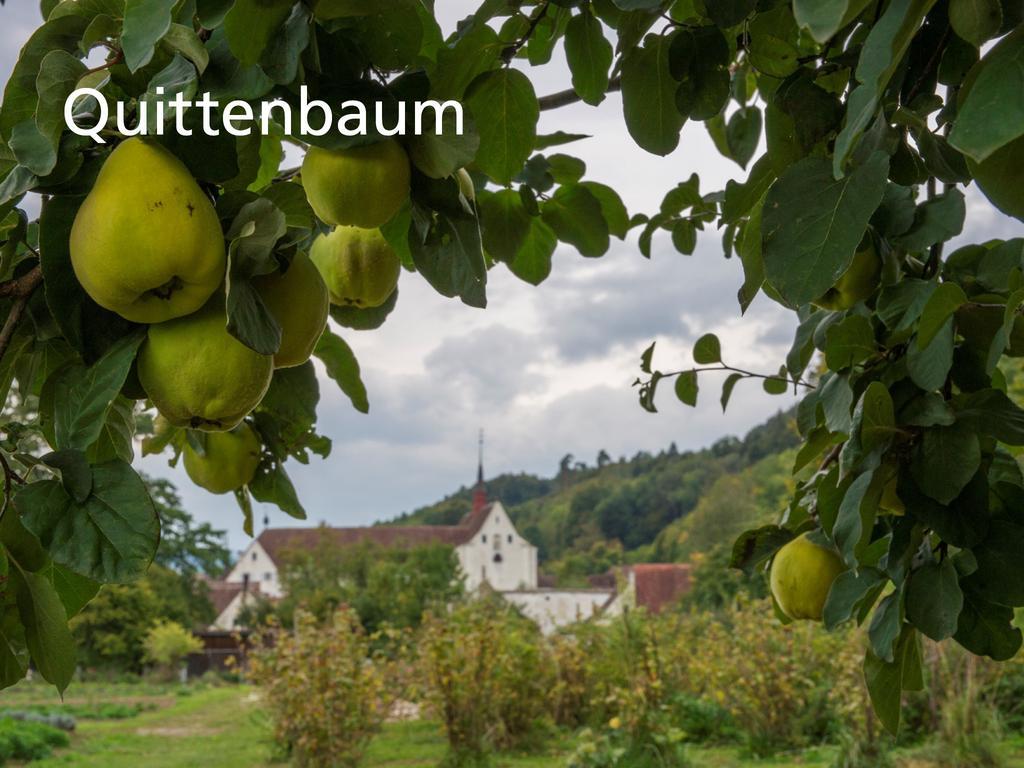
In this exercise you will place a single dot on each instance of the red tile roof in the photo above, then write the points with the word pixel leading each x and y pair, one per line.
pixel 275 541
pixel 660 584
pixel 221 593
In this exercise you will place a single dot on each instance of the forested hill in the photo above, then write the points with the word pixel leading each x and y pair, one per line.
pixel 594 513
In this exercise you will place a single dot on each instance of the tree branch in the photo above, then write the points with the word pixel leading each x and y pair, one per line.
pixel 20 289
pixel 569 96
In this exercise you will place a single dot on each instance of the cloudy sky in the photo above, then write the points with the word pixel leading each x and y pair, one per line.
pixel 544 371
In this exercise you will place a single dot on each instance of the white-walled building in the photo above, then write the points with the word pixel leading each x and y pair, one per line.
pixel 490 552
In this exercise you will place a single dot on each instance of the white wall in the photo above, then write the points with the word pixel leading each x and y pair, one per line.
pixel 498 555
pixel 260 568
pixel 554 608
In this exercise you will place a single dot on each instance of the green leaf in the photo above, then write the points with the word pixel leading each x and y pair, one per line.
pixel 185 41
pixel 885 680
pixel 110 537
pixel 75 473
pixel 504 223
pixel 505 109
pixel 342 366
pixel 999 576
pixel 649 97
pixel 934 600
pixel 884 48
pixel 851 592
pixel 743 134
pixel 589 55
pixel 145 24
pixel 46 627
pixel 727 387
pixel 856 516
pixel 729 13
pixel 20 96
pixel 75 591
pixel 532 262
pixel 946 460
pixel 451 258
pixel 849 342
pixel 14 655
pixel 886 627
pixel 930 366
pixel 976 20
pixel 944 302
pixel 753 548
pixel 251 25
pixel 612 208
pixel 59 73
pixel 935 221
pixel 812 224
pixel 991 412
pixel 686 387
pixel 83 396
pixel 272 485
pixel 878 421
pixel 992 115
pixel 440 155
pixel 707 350
pixel 576 217
pixel 986 629
pixel 823 18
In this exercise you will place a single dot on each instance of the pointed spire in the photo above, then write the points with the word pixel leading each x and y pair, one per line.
pixel 480 492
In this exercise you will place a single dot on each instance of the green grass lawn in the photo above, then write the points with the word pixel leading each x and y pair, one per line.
pixel 224 727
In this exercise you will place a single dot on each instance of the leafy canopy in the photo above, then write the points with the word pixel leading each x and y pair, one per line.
pixel 875 115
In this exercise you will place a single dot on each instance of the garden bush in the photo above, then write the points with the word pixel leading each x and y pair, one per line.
pixel 26 741
pixel 325 694
pixel 167 645
pixel 487 675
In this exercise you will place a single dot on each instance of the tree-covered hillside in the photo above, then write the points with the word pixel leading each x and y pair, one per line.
pixel 589 516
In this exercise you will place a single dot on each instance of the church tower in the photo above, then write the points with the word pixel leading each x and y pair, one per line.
pixel 480 492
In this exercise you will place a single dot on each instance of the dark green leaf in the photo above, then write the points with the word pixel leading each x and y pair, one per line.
pixel 589 55
pixel 934 600
pixel 83 396
pixel 342 366
pixel 576 217
pixel 46 627
pixel 686 387
pixel 145 24
pixel 993 113
pixel 505 109
pixel 812 224
pixel 946 460
pixel 649 97
pixel 111 537
pixel 707 350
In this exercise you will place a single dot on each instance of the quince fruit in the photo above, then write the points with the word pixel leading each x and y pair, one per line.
pixel 228 462
pixel 360 268
pixel 361 186
pixel 857 283
pixel 146 242
pixel 801 577
pixel 200 376
pixel 299 301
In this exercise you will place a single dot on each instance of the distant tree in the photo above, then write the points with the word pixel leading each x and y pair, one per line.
pixel 186 546
pixel 390 587
pixel 112 629
pixel 167 644
pixel 673 450
pixel 603 459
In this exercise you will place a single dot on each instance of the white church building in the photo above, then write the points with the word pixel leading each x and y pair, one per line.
pixel 489 549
